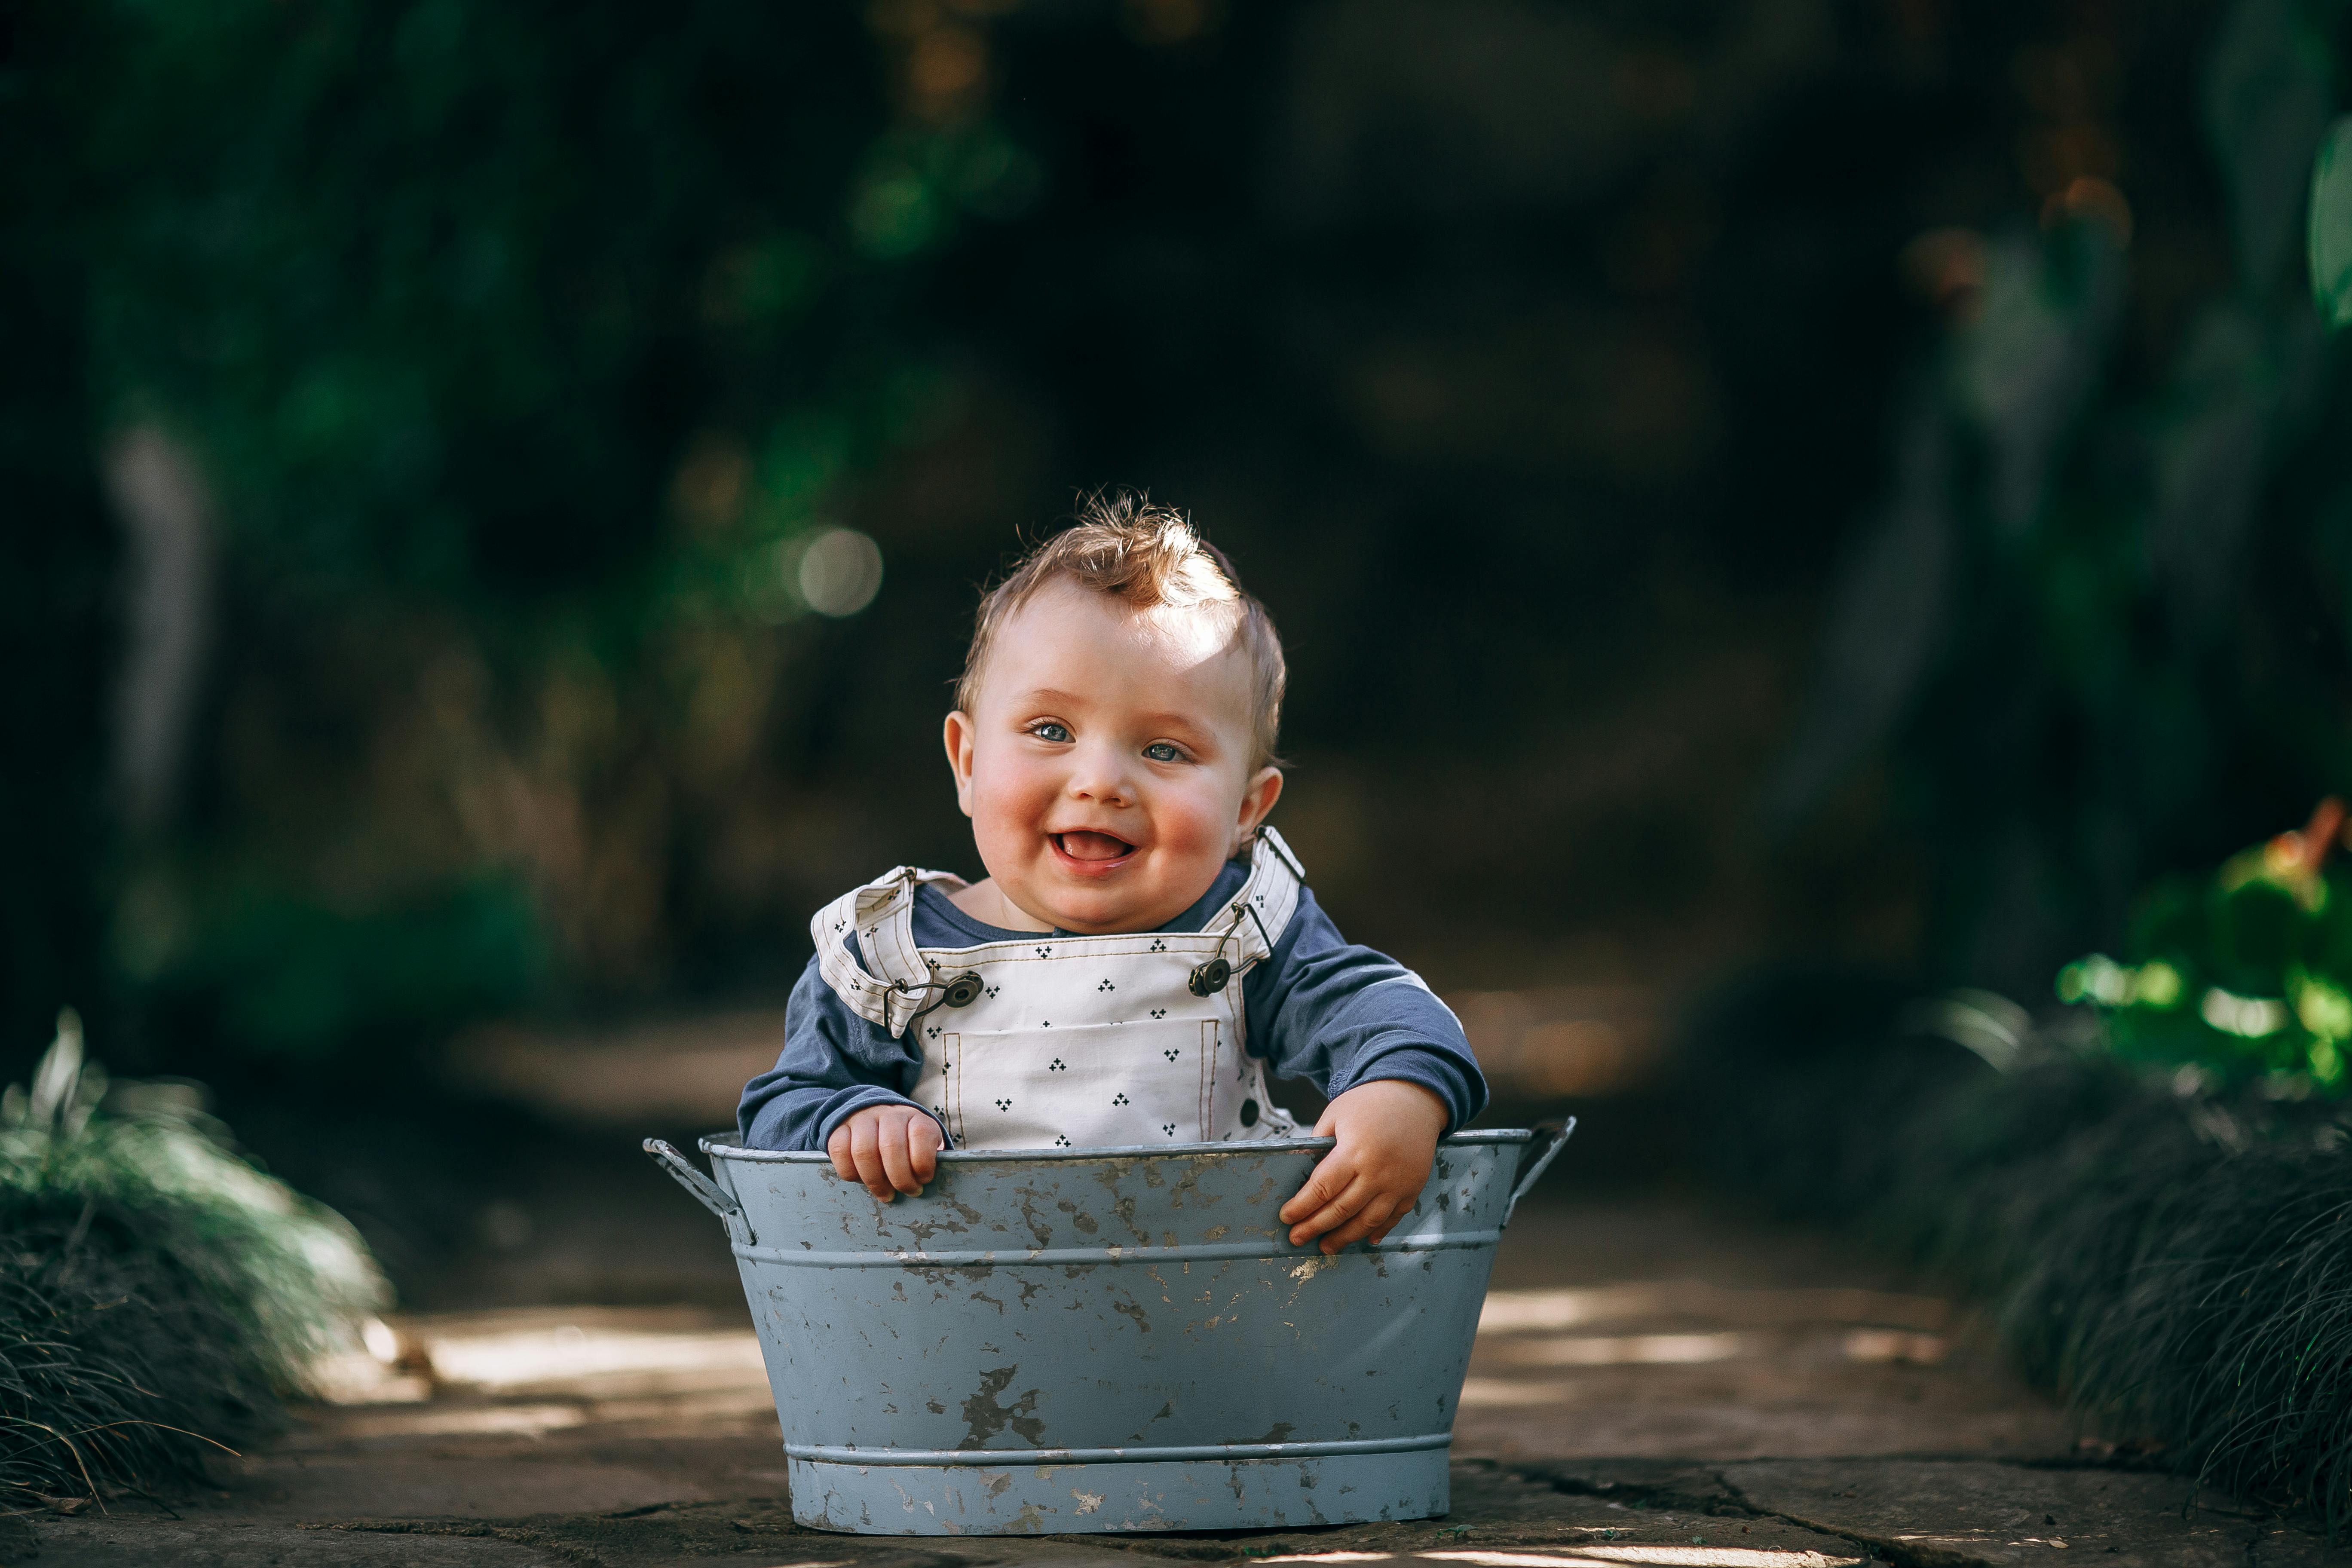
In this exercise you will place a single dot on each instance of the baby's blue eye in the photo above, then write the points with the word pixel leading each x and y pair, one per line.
pixel 1049 731
pixel 1161 751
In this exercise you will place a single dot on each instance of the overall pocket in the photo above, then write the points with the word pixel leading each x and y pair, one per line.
pixel 1090 1085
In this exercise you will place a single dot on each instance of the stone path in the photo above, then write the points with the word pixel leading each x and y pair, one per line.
pixel 1655 1387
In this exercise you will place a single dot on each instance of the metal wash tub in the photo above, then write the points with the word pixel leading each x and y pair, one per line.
pixel 1111 1340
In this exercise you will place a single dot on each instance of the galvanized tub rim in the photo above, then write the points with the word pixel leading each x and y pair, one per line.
pixel 730 1146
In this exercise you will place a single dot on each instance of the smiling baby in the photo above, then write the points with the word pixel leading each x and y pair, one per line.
pixel 1143 947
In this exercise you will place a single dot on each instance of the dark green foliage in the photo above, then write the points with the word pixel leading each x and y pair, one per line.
pixel 2206 1295
pixel 2175 1261
pixel 158 1295
pixel 500 264
pixel 2331 226
pixel 288 969
pixel 118 1370
pixel 2098 623
pixel 2178 1267
pixel 1531 360
pixel 508 350
pixel 519 347
pixel 2245 972
pixel 57 558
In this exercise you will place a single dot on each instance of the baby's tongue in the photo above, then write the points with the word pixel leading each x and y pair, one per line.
pixel 1093 847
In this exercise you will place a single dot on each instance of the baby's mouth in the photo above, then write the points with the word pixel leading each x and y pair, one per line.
pixel 1092 847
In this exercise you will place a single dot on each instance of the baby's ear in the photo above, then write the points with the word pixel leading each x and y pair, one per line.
pixel 1257 801
pixel 959 734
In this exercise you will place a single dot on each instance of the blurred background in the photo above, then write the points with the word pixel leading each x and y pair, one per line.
pixel 496 499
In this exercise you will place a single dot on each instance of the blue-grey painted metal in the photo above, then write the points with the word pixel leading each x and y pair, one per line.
pixel 1113 1340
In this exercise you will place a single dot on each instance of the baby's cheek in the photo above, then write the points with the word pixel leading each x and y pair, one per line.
pixel 1196 821
pixel 1193 858
pixel 1007 804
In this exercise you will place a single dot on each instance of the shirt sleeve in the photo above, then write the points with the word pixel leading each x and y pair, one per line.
pixel 834 1063
pixel 1338 1014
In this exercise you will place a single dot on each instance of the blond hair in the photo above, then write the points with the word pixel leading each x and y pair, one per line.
pixel 1150 556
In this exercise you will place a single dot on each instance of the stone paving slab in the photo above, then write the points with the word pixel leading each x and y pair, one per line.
pixel 2009 1516
pixel 167 1543
pixel 1495 1513
pixel 452 1487
pixel 1920 1513
pixel 1608 1514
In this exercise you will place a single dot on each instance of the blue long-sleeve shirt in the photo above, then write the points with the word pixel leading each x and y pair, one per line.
pixel 1320 1008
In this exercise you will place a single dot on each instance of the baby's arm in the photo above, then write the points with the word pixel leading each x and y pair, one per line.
pixel 1365 1030
pixel 1388 1131
pixel 837 1087
pixel 892 1149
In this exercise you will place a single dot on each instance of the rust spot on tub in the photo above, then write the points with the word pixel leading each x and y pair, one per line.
pixel 1040 1230
pixel 984 1415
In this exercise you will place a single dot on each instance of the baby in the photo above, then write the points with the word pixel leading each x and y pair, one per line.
pixel 1144 945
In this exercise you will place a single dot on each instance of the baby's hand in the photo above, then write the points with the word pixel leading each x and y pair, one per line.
pixel 892 1149
pixel 1388 1131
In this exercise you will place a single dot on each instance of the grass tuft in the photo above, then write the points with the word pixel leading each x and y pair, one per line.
pixel 2173 1258
pixel 159 1296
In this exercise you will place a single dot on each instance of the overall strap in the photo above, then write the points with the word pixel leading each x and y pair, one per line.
pixel 882 914
pixel 1270 895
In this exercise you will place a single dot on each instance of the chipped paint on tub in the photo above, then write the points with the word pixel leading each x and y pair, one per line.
pixel 1046 1342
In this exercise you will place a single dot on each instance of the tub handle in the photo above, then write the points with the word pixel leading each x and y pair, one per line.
pixel 1533 1165
pixel 714 1197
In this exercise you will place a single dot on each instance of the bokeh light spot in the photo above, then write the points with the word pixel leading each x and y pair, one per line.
pixel 840 572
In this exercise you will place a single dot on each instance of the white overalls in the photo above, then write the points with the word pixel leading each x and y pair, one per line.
pixel 1060 1041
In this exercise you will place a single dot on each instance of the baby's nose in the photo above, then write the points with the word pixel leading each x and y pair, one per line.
pixel 1102 776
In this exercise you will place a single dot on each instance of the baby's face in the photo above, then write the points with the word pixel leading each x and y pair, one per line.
pixel 1106 773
